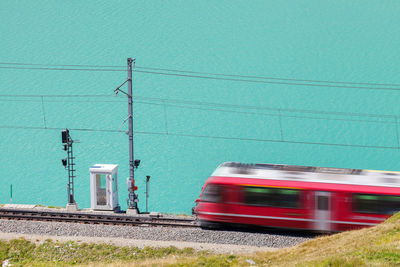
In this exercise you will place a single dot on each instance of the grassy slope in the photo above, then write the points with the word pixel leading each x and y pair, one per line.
pixel 377 246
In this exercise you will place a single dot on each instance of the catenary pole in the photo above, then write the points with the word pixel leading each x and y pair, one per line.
pixel 132 196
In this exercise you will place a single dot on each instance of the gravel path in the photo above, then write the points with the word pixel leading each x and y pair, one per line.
pixel 261 240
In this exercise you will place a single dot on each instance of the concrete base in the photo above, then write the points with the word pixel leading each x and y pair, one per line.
pixel 19 206
pixel 132 212
pixel 72 207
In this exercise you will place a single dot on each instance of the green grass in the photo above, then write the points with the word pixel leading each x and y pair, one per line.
pixel 25 253
pixel 376 246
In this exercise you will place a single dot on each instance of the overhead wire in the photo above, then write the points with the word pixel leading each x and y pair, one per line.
pixel 59 69
pixel 218 137
pixel 266 108
pixel 200 75
pixel 203 73
pixel 57 128
pixel 62 101
pixel 268 82
pixel 264 114
pixel 206 109
pixel 167 102
pixel 264 77
pixel 60 65
pixel 203 136
pixel 49 95
pixel 284 81
pixel 200 103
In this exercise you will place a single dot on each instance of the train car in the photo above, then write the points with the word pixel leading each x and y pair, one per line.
pixel 297 197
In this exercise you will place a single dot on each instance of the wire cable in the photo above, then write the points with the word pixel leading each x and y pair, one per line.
pixel 279 115
pixel 204 136
pixel 62 101
pixel 269 82
pixel 197 103
pixel 56 128
pixel 206 109
pixel 200 103
pixel 60 65
pixel 211 78
pixel 60 69
pixel 198 72
pixel 264 77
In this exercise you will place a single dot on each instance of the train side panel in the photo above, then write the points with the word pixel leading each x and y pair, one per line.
pixel 283 205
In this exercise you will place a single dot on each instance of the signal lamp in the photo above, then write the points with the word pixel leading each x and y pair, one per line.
pixel 65 136
pixel 137 163
pixel 64 162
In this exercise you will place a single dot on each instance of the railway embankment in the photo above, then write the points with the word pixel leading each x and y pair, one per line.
pixel 375 246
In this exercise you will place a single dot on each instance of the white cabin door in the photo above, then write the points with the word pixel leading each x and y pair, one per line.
pixel 101 187
pixel 322 208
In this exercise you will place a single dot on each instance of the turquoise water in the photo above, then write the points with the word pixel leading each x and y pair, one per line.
pixel 312 40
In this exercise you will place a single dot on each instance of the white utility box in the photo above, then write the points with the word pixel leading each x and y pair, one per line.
pixel 104 187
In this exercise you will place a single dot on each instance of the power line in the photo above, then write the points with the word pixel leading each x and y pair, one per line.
pixel 265 114
pixel 62 101
pixel 264 77
pixel 42 95
pixel 199 108
pixel 202 73
pixel 200 103
pixel 56 128
pixel 220 78
pixel 60 65
pixel 268 82
pixel 60 69
pixel 267 108
pixel 267 140
pixel 204 136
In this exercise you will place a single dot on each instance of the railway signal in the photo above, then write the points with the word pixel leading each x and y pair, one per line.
pixel 69 164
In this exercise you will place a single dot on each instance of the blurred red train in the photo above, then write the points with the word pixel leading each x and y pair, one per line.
pixel 299 197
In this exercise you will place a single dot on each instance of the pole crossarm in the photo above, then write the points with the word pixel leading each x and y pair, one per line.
pixel 118 88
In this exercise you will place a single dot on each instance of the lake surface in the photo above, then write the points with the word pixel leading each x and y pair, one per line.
pixel 186 126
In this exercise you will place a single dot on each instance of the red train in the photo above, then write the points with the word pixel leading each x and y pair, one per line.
pixel 300 197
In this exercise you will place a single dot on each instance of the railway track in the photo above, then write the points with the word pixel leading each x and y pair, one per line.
pixel 90 218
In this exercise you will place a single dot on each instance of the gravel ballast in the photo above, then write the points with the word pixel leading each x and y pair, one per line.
pixel 272 239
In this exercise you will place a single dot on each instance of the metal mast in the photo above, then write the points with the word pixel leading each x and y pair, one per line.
pixel 133 199
pixel 130 119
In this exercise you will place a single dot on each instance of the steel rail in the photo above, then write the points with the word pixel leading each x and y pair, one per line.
pixel 89 218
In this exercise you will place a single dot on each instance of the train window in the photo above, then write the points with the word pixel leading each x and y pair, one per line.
pixel 272 197
pixel 380 204
pixel 212 193
pixel 323 203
